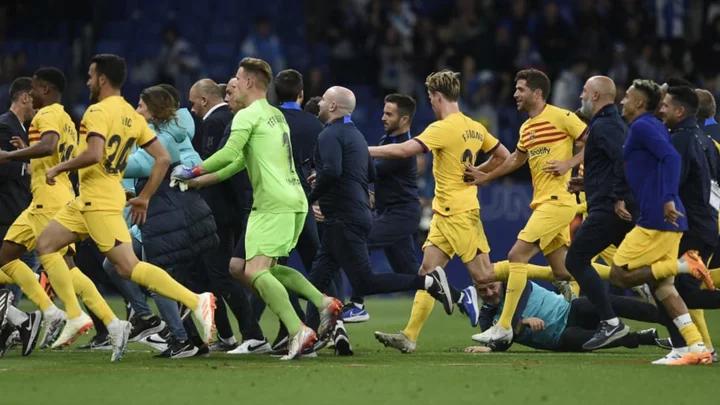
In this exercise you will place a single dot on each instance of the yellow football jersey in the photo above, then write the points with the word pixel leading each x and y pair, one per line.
pixel 454 141
pixel 116 121
pixel 48 121
pixel 550 136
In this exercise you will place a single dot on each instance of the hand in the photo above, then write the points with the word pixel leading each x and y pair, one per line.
pixel 129 194
pixel 671 214
pixel 557 167
pixel 473 176
pixel 621 211
pixel 18 142
pixel 535 324
pixel 312 178
pixel 4 156
pixel 576 185
pixel 318 214
pixel 183 173
pixel 50 175
pixel 138 210
pixel 372 200
pixel 199 182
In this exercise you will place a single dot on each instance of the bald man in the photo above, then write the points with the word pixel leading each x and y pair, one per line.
pixel 207 99
pixel 344 169
pixel 611 208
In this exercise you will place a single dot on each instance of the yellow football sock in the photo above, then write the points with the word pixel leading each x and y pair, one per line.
pixel 421 310
pixel 5 279
pixel 156 279
pixel 535 272
pixel 575 288
pixel 698 318
pixel 515 286
pixel 602 270
pixel 664 269
pixel 61 280
pixel 691 334
pixel 89 294
pixel 23 276
pixel 501 270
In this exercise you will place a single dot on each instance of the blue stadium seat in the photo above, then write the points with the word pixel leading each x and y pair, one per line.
pixel 116 30
pixel 105 46
pixel 221 71
pixel 14 45
pixel 219 51
pixel 141 51
pixel 224 31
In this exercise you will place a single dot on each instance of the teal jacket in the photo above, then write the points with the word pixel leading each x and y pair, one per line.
pixel 176 136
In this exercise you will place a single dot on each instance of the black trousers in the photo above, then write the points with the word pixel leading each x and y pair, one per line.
pixel 599 230
pixel 344 245
pixel 393 232
pixel 689 288
pixel 583 321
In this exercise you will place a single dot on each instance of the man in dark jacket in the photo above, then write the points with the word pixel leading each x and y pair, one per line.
pixel 707 109
pixel 228 201
pixel 609 202
pixel 14 176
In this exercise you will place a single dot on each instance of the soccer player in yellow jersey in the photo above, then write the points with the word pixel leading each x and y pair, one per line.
pixel 546 141
pixel 455 141
pixel 53 139
pixel 109 130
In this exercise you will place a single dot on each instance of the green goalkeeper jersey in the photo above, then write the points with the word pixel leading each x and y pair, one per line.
pixel 260 140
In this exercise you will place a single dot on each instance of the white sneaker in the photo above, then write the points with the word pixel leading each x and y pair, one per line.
pixel 396 340
pixel 300 341
pixel 494 334
pixel 205 314
pixel 643 291
pixel 52 323
pixel 252 346
pixel 73 329
pixel 156 342
pixel 675 355
pixel 118 332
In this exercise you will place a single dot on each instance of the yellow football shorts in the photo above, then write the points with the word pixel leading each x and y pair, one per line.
pixel 27 227
pixel 549 227
pixel 107 228
pixel 644 247
pixel 461 234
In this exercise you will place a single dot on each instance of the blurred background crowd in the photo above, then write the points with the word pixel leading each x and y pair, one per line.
pixel 374 47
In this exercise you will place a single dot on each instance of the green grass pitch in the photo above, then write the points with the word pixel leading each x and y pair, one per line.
pixel 437 373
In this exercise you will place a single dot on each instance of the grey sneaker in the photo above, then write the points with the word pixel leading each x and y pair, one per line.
pixel 565 289
pixel 396 340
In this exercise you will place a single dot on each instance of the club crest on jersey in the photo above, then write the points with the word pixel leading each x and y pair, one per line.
pixel 532 135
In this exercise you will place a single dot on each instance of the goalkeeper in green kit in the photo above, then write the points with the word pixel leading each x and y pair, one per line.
pixel 260 142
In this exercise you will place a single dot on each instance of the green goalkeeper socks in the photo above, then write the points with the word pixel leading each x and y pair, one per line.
pixel 276 297
pixel 297 283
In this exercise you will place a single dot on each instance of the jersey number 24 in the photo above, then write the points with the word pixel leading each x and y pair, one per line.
pixel 117 154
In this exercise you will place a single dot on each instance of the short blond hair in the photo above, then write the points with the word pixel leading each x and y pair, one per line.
pixel 445 82
pixel 258 68
pixel 707 109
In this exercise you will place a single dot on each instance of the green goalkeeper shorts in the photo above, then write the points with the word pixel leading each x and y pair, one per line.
pixel 273 234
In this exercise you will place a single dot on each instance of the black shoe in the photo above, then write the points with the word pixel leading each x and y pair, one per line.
pixel 182 350
pixel 6 297
pixel 5 335
pixel 440 290
pixel 30 331
pixel 222 346
pixel 98 342
pixel 605 335
pixel 665 343
pixel 647 337
pixel 341 340
pixel 281 340
pixel 142 328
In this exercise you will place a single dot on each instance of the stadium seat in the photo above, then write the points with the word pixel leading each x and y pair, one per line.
pixel 224 31
pixel 116 30
pixel 105 46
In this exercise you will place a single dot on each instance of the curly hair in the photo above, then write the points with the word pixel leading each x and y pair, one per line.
pixel 651 90
pixel 160 103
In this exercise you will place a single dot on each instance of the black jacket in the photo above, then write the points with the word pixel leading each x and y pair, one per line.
pixel 604 176
pixel 304 131
pixel 15 193
pixel 700 165
pixel 213 130
pixel 396 182
pixel 344 169
pixel 179 226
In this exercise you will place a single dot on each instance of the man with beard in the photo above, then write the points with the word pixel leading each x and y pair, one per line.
pixel 109 130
